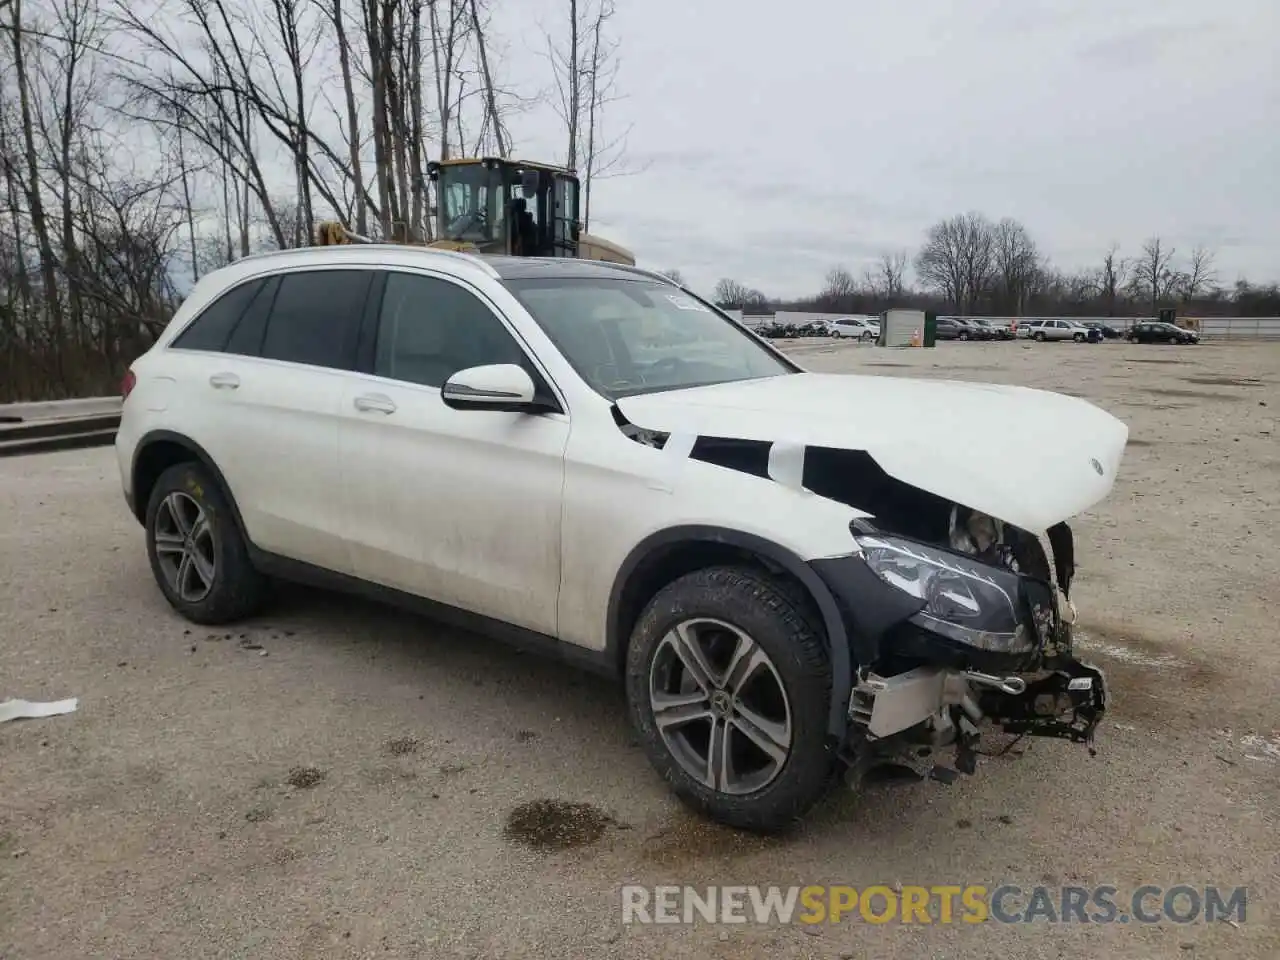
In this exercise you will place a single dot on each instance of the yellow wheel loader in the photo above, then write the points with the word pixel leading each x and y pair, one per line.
pixel 511 207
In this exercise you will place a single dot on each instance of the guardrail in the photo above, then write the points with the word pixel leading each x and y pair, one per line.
pixel 58 425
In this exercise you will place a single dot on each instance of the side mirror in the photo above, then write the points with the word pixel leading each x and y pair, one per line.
pixel 497 386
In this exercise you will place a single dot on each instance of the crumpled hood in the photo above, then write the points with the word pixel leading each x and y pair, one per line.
pixel 1028 457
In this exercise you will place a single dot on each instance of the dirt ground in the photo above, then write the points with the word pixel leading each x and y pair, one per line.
pixel 338 780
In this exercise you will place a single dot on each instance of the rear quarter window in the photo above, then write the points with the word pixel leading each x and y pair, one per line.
pixel 212 328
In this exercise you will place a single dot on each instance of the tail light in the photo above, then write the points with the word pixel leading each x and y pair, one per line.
pixel 127 385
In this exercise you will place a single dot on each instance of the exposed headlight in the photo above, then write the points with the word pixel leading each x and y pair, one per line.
pixel 972 603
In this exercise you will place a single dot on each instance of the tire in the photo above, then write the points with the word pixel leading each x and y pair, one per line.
pixel 865 338
pixel 1078 337
pixel 1038 336
pixel 189 513
pixel 718 609
pixel 963 336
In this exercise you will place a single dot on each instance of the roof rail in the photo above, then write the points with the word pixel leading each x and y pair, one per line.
pixel 363 244
pixel 639 271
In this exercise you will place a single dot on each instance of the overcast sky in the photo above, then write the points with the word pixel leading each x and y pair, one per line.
pixel 778 140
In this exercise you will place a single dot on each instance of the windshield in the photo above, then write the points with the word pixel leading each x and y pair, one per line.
pixel 468 199
pixel 626 337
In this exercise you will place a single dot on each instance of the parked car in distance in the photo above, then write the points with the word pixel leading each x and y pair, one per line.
pixel 961 328
pixel 997 329
pixel 1151 331
pixel 1108 332
pixel 1043 330
pixel 588 460
pixel 858 327
pixel 949 329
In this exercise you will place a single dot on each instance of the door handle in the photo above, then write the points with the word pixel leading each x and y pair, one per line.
pixel 375 403
pixel 224 381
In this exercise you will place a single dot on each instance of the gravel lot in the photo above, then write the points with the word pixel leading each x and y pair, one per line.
pixel 336 780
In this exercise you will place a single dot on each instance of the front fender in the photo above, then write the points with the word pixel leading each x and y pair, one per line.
pixel 833 622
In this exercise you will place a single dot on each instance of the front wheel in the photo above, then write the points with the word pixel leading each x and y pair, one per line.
pixel 866 338
pixel 1038 336
pixel 1078 338
pixel 728 684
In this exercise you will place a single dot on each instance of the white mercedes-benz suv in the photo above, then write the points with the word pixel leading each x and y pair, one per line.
pixel 794 574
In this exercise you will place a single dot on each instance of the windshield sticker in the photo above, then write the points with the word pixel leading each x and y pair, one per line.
pixel 685 303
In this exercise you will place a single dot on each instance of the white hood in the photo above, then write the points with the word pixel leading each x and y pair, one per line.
pixel 1027 457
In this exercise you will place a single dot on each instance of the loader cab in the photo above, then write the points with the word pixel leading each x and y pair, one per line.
pixel 506 207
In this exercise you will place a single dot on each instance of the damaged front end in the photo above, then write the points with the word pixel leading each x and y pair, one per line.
pixel 981 633
pixel 953 616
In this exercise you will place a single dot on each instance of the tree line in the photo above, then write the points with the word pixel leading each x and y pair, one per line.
pixel 970 265
pixel 144 143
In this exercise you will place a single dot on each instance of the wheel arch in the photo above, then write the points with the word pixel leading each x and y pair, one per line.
pixel 159 450
pixel 669 554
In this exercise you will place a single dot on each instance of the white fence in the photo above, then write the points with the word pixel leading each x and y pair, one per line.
pixel 1232 328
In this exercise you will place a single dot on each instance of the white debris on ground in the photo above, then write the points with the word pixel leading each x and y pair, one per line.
pixel 34 710
pixel 1257 747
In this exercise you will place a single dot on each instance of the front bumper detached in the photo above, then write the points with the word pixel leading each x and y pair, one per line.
pixel 913 718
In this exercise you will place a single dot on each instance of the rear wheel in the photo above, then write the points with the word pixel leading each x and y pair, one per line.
pixel 1078 338
pixel 728 683
pixel 1038 336
pixel 197 554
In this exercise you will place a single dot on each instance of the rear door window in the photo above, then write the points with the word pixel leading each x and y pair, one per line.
pixel 315 319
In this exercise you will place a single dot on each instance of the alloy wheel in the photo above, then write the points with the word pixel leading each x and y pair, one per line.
pixel 720 706
pixel 184 546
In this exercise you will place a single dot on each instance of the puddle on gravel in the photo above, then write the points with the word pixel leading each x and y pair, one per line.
pixel 1224 381
pixel 692 839
pixel 403 746
pixel 556 824
pixel 1193 394
pixel 1140 443
pixel 1149 682
pixel 301 778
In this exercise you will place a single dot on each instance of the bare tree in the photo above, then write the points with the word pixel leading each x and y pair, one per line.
pixel 838 290
pixel 34 192
pixel 1112 278
pixel 732 295
pixel 674 275
pixel 493 114
pixel 1017 263
pixel 333 10
pixel 584 71
pixel 449 29
pixel 888 277
pixel 1153 275
pixel 839 283
pixel 1200 274
pixel 958 259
